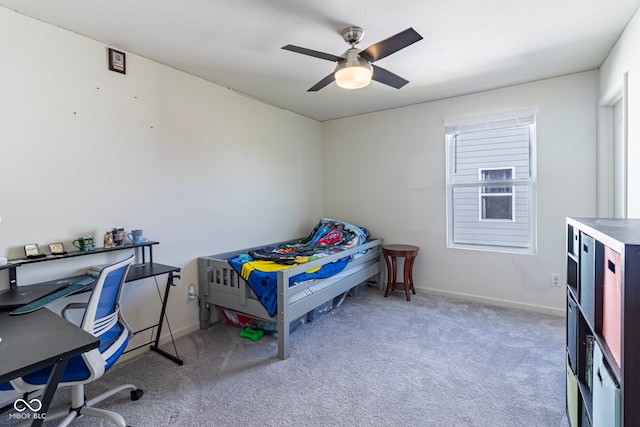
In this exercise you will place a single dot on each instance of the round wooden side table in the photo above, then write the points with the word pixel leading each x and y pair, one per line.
pixel 391 253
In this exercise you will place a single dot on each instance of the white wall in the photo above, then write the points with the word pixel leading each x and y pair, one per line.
pixel 386 171
pixel 82 149
pixel 622 59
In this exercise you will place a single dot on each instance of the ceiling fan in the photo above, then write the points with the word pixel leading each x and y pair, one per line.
pixel 354 69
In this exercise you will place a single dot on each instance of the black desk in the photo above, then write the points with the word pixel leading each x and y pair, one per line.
pixel 144 271
pixel 37 340
pixel 137 272
pixel 151 269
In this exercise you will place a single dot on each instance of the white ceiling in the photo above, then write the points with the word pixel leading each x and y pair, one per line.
pixel 468 45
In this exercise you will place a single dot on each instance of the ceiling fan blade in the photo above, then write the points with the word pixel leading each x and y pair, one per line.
pixel 314 53
pixel 322 83
pixel 391 45
pixel 387 77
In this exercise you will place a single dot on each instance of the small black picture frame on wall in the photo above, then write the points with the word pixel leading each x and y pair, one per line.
pixel 117 61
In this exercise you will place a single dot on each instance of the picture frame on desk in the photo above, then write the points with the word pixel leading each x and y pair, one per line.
pixel 32 250
pixel 57 249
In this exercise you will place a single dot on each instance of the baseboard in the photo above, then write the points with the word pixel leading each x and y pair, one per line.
pixel 493 301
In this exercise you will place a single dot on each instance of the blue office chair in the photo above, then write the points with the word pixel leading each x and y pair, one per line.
pixel 103 319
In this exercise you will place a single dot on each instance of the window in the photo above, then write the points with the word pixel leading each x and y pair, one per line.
pixel 496 202
pixel 491 182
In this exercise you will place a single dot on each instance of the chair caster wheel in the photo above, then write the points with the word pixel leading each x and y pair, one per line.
pixel 136 394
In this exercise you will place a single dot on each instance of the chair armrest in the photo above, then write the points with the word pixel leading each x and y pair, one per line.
pixel 73 306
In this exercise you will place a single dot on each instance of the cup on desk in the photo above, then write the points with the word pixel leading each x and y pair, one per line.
pixel 136 237
pixel 118 236
pixel 85 243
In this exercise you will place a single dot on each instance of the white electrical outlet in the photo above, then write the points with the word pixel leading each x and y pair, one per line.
pixel 555 279
pixel 191 292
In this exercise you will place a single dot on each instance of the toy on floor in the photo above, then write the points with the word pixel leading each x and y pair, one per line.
pixel 252 334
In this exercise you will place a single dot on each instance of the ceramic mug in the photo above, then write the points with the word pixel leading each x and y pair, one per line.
pixel 136 237
pixel 85 243
pixel 118 236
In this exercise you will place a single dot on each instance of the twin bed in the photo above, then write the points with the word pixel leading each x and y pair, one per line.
pixel 283 281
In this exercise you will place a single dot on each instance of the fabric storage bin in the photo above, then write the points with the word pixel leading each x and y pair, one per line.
pixel 572 397
pixel 586 422
pixel 572 340
pixel 587 276
pixel 606 393
pixel 612 303
pixel 573 240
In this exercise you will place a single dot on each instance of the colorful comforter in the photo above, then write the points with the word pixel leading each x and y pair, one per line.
pixel 259 268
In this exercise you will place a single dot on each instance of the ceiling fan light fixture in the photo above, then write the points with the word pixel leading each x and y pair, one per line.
pixel 353 77
pixel 354 72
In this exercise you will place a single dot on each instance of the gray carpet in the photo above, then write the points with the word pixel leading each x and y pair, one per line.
pixel 374 361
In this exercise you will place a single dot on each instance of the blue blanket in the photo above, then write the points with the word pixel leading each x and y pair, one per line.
pixel 259 268
pixel 265 283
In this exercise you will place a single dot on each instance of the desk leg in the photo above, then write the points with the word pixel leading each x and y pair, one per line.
pixel 154 346
pixel 49 391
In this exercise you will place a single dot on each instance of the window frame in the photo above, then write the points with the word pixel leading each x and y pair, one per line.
pixel 519 185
